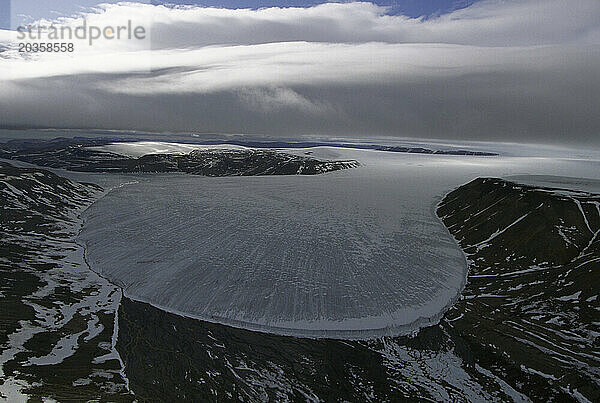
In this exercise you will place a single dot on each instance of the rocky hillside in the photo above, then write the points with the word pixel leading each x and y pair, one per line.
pixel 78 154
pixel 531 303
pixel 56 316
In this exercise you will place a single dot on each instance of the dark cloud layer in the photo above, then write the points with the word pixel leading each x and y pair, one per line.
pixel 490 78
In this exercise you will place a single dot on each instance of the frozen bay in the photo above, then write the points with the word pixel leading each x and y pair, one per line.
pixel 352 254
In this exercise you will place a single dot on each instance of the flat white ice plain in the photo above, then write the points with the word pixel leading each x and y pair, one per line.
pixel 357 253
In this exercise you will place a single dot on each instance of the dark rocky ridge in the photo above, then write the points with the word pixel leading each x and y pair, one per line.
pixel 421 150
pixel 531 303
pixel 76 155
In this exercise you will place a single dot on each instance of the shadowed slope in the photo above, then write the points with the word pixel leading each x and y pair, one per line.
pixel 534 277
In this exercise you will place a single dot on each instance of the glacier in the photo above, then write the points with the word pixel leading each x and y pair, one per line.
pixel 353 254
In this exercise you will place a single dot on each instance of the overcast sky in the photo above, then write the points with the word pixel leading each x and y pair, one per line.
pixel 494 70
